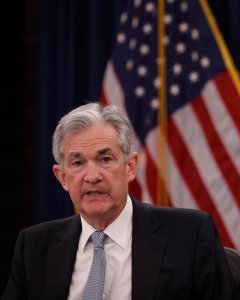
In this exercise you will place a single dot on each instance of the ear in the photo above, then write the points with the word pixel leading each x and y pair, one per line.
pixel 132 166
pixel 61 176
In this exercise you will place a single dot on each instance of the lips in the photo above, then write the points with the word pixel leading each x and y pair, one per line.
pixel 93 193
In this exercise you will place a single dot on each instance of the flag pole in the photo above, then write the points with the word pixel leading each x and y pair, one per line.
pixel 222 45
pixel 162 196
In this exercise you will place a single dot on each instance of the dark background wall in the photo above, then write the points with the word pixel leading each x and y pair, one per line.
pixel 26 69
pixel 17 122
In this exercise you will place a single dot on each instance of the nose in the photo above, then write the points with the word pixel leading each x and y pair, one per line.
pixel 92 173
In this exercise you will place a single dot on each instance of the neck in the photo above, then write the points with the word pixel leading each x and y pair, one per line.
pixel 100 222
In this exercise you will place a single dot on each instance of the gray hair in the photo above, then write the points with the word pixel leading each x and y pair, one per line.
pixel 86 116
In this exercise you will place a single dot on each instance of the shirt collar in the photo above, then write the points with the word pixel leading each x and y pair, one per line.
pixel 120 230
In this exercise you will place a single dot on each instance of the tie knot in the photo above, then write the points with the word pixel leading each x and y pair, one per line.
pixel 98 238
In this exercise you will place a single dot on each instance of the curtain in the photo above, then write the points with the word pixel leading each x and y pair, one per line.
pixel 75 39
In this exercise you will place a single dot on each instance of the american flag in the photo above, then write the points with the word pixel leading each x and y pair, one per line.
pixel 170 71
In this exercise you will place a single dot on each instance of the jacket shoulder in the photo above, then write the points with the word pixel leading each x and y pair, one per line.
pixel 48 230
pixel 172 214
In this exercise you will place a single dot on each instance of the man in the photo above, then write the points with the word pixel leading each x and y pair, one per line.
pixel 151 252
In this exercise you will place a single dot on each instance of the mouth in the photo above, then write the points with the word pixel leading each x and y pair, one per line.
pixel 94 193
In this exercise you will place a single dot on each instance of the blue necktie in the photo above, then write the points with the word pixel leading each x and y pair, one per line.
pixel 95 282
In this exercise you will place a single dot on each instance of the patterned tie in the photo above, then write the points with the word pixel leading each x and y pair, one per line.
pixel 95 283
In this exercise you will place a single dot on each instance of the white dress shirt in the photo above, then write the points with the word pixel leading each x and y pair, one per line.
pixel 118 249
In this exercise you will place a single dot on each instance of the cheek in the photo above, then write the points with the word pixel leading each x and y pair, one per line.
pixel 73 182
pixel 121 179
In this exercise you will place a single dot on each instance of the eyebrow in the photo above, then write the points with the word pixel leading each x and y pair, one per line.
pixel 103 151
pixel 74 155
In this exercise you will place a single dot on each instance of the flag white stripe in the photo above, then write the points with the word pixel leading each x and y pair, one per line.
pixel 112 88
pixel 151 143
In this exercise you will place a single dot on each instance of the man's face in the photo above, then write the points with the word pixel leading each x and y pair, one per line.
pixel 95 172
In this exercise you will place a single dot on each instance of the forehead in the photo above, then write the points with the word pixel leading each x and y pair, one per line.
pixel 93 138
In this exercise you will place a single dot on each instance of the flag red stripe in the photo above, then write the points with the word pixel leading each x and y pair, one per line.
pixel 135 189
pixel 103 98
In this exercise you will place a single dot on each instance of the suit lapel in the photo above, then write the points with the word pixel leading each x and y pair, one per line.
pixel 147 252
pixel 60 261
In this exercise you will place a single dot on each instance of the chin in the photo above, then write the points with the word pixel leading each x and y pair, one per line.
pixel 97 209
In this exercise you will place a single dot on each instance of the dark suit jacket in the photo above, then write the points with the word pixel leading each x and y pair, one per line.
pixel 176 254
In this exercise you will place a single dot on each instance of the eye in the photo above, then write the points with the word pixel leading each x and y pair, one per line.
pixel 77 163
pixel 106 159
